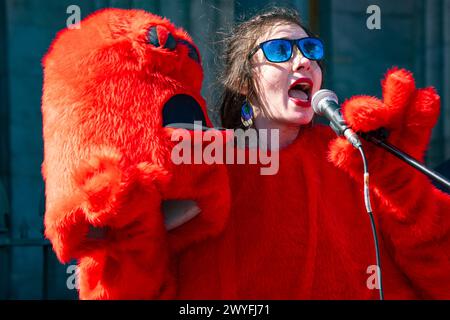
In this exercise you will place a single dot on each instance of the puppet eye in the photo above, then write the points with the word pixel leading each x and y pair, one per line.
pixel 192 53
pixel 171 43
pixel 153 37
pixel 157 35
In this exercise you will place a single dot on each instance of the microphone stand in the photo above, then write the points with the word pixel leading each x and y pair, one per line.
pixel 379 137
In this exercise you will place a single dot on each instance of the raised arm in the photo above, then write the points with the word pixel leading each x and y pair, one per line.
pixel 413 215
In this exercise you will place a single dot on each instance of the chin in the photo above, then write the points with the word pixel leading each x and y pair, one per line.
pixel 301 121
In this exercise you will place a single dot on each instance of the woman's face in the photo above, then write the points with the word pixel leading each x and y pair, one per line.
pixel 280 101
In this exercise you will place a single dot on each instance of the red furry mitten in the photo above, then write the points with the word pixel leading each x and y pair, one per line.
pixel 107 187
pixel 409 115
pixel 413 216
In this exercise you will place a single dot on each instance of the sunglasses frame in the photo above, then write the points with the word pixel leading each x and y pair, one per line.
pixel 291 41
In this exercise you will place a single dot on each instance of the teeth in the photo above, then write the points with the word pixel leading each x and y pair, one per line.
pixel 303 86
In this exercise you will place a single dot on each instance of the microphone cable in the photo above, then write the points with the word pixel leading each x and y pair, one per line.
pixel 372 221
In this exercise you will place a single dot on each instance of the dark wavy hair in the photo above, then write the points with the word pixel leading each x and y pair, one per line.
pixel 237 73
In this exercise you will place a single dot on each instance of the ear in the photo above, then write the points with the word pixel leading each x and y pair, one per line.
pixel 244 90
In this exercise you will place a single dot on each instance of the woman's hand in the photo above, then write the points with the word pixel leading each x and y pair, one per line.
pixel 410 205
pixel 412 215
pixel 114 195
pixel 179 212
pixel 409 114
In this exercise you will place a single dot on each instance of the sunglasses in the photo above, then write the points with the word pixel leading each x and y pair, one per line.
pixel 280 50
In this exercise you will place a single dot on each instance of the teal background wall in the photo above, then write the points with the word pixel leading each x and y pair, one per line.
pixel 414 34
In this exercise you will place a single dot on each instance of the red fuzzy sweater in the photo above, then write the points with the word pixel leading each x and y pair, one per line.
pixel 109 89
pixel 304 234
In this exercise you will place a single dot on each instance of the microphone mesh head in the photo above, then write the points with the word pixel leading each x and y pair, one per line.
pixel 319 97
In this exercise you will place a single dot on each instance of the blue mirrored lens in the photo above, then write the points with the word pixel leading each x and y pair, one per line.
pixel 311 48
pixel 279 50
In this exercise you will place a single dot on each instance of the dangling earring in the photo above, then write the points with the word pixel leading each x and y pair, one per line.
pixel 247 114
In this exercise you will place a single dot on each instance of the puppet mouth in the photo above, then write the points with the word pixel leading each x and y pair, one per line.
pixel 183 111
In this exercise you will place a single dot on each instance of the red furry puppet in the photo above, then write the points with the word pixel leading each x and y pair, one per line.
pixel 110 90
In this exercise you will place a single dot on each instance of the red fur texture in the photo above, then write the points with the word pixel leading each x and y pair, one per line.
pixel 300 234
pixel 304 232
pixel 107 156
pixel 413 216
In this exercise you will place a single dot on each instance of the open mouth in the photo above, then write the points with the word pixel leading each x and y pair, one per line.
pixel 183 111
pixel 301 92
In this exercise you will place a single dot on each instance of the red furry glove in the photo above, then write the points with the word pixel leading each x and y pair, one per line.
pixel 409 115
pixel 108 188
pixel 412 215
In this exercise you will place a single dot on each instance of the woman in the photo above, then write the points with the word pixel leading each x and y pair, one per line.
pixel 303 233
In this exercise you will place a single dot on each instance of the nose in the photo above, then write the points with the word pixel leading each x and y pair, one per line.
pixel 299 61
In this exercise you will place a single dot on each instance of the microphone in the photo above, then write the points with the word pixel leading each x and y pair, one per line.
pixel 325 103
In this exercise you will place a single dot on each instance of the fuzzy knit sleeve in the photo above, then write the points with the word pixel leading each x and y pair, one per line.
pixel 413 216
